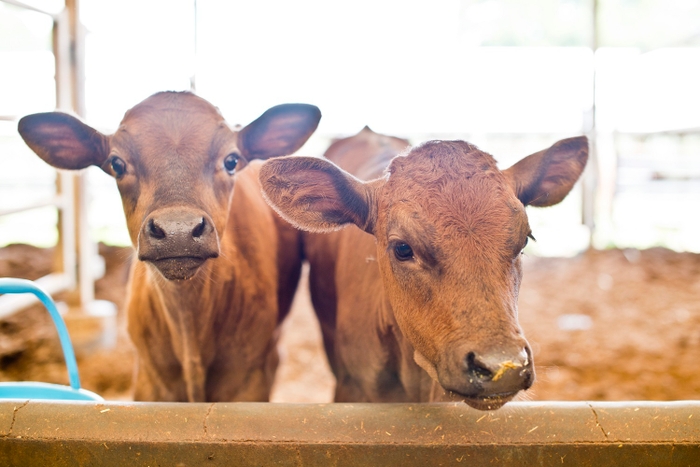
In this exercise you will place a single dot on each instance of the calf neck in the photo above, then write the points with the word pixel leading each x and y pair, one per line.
pixel 216 268
pixel 417 298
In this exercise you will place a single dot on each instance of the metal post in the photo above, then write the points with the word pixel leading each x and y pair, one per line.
pixel 590 177
pixel 90 321
pixel 66 258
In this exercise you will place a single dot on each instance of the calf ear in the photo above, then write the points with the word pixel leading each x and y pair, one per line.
pixel 316 195
pixel 280 131
pixel 546 177
pixel 63 141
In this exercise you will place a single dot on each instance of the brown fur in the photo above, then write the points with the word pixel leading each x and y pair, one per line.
pixel 449 314
pixel 203 309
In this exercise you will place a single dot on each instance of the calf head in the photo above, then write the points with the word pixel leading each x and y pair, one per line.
pixel 174 159
pixel 450 228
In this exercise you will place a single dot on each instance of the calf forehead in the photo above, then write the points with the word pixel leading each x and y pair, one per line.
pixel 453 184
pixel 450 176
pixel 172 102
pixel 172 124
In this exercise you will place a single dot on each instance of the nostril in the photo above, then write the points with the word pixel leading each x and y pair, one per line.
pixel 528 378
pixel 154 231
pixel 198 231
pixel 528 356
pixel 528 372
pixel 477 368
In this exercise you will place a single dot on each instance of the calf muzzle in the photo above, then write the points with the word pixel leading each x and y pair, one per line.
pixel 177 242
pixel 487 380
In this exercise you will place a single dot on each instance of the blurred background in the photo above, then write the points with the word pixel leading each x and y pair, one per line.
pixel 512 77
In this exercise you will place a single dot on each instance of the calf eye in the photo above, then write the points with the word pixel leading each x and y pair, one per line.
pixel 118 166
pixel 230 163
pixel 403 251
pixel 529 236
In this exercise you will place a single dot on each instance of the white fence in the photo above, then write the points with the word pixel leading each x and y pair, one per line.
pixel 75 250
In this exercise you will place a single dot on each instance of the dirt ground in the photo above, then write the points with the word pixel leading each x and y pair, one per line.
pixel 606 325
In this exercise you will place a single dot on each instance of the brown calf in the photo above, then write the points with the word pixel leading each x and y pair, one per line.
pixel 427 278
pixel 217 268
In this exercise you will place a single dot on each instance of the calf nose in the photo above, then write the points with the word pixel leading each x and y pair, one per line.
pixel 498 373
pixel 177 233
pixel 161 229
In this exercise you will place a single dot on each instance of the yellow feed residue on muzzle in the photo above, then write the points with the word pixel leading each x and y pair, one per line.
pixel 505 366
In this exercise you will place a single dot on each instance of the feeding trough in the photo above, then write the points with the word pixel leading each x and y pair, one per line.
pixel 40 390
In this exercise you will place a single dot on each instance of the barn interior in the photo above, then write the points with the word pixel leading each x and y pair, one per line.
pixel 609 299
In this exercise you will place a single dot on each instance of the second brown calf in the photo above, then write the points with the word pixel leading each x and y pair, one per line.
pixel 417 297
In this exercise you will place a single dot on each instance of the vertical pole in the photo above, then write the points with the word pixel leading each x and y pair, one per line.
pixel 603 151
pixel 91 322
pixel 590 178
pixel 193 76
pixel 66 258
pixel 85 247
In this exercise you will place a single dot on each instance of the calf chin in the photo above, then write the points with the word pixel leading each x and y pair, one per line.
pixel 478 403
pixel 179 269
